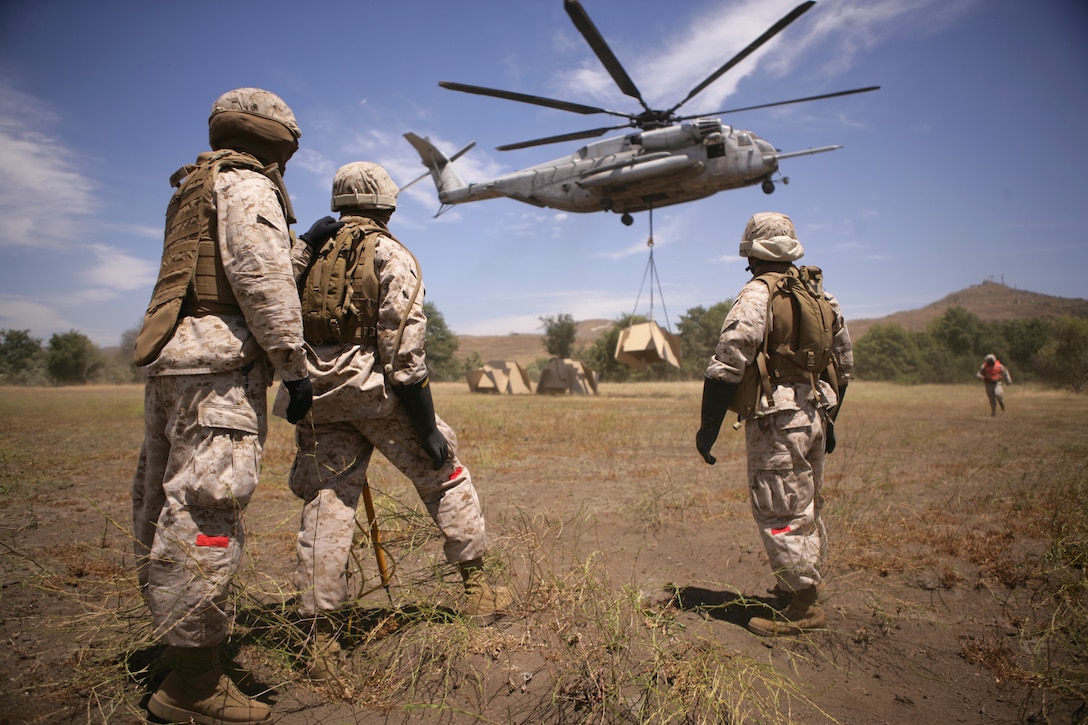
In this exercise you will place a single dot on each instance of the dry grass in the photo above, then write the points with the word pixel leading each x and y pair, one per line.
pixel 959 546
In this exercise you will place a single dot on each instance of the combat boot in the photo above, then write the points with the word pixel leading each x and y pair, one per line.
pixel 197 690
pixel 483 602
pixel 803 615
pixel 323 657
pixel 781 591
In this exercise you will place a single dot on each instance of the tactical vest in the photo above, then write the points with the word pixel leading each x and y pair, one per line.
pixel 797 340
pixel 191 277
pixel 340 291
pixel 993 373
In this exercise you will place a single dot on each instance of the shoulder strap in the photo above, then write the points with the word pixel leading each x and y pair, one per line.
pixel 372 232
pixel 772 280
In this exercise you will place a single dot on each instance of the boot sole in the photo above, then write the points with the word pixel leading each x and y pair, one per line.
pixel 174 714
pixel 485 620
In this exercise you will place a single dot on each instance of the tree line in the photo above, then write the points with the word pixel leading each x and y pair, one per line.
pixel 72 358
pixel 950 350
pixel 1050 351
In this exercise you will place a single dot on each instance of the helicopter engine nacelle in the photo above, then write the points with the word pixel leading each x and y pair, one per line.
pixel 676 137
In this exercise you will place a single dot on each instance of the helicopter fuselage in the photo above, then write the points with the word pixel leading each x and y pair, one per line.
pixel 638 171
pixel 671 159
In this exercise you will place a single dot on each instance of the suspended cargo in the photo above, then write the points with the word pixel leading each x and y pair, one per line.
pixel 563 375
pixel 505 377
pixel 645 343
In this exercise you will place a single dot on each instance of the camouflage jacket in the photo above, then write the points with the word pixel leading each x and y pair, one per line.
pixel 255 246
pixel 351 380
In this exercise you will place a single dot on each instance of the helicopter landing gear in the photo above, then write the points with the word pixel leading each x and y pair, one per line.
pixel 627 219
pixel 768 184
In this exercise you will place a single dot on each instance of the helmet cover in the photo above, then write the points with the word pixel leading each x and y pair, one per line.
pixel 363 185
pixel 770 236
pixel 257 102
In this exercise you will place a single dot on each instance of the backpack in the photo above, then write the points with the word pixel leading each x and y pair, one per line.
pixel 339 292
pixel 797 343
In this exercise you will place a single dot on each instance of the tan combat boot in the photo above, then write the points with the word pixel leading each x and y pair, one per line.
pixel 803 615
pixel 484 603
pixel 197 690
pixel 781 591
pixel 323 657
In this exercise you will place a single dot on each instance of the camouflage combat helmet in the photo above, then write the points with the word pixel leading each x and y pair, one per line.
pixel 257 102
pixel 770 236
pixel 363 185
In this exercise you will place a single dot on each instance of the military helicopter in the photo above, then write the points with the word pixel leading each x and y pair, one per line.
pixel 669 159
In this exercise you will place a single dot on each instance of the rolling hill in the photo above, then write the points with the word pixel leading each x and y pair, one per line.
pixel 989 301
pixel 524 348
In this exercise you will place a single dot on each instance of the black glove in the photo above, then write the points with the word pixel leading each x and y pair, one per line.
pixel 302 397
pixel 716 399
pixel 321 231
pixel 829 432
pixel 838 405
pixel 419 405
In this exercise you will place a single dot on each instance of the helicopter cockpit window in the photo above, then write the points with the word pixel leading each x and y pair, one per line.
pixel 744 139
pixel 715 145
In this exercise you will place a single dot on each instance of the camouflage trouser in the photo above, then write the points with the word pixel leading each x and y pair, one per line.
pixel 785 481
pixel 328 475
pixel 198 468
pixel 995 393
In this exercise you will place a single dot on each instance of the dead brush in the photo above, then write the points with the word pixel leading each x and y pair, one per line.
pixel 978 505
pixel 924 485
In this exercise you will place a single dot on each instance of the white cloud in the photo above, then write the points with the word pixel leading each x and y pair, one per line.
pixel 683 59
pixel 18 313
pixel 314 162
pixel 42 193
pixel 117 271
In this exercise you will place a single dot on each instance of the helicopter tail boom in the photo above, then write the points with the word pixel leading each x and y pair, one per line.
pixel 445 175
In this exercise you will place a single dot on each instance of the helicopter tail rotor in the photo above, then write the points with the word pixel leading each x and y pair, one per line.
pixel 446 178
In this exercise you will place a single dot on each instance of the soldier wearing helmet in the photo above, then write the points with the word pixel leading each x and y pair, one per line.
pixel 995 376
pixel 788 430
pixel 224 318
pixel 371 391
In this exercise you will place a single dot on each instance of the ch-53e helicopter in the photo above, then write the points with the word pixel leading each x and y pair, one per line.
pixel 670 159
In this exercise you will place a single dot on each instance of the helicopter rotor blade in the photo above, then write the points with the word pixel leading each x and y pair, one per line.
pixel 527 98
pixel 592 133
pixel 752 47
pixel 784 103
pixel 596 41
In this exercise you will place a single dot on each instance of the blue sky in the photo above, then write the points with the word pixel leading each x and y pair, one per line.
pixel 968 165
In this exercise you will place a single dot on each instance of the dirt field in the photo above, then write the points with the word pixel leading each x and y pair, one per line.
pixel 958 594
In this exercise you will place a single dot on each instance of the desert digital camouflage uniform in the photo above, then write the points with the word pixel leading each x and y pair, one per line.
pixel 785 441
pixel 354 413
pixel 205 411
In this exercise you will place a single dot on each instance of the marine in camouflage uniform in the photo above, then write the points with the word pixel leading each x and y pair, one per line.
pixel 221 323
pixel 373 394
pixel 995 376
pixel 787 436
